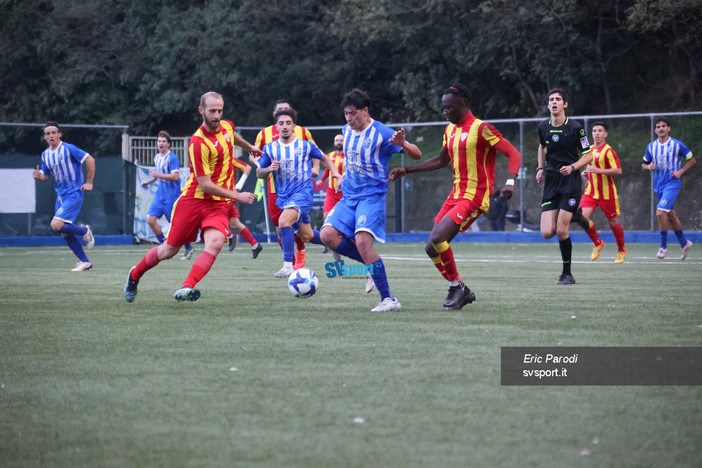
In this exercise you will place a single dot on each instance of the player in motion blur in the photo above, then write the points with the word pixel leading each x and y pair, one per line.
pixel 289 159
pixel 64 161
pixel 470 146
pixel 167 173
pixel 664 157
pixel 264 137
pixel 600 191
pixel 359 217
pixel 235 224
pixel 563 150
pixel 204 201
pixel 333 194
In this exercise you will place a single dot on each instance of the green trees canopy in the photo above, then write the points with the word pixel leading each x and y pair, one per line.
pixel 145 62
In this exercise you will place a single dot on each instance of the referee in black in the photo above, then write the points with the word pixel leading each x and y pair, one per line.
pixel 563 151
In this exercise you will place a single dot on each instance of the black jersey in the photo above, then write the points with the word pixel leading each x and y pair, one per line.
pixel 564 145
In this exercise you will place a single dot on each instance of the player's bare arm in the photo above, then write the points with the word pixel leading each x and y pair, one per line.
pixel 437 162
pixel 248 147
pixel 584 160
pixel 612 171
pixel 507 149
pixel 90 166
pixel 690 162
pixel 541 158
pixel 262 172
pixel 411 150
pixel 36 173
pixel 209 187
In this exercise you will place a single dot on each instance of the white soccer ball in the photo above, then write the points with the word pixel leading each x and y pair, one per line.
pixel 303 283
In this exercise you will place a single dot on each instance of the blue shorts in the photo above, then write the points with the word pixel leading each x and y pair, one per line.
pixel 68 206
pixel 366 214
pixel 302 202
pixel 667 196
pixel 160 207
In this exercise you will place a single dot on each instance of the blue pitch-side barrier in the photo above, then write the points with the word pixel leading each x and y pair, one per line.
pixel 422 237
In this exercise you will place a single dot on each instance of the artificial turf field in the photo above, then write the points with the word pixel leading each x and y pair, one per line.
pixel 250 376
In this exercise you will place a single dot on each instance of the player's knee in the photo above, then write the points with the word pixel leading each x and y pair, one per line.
pixel 430 250
pixel 329 237
pixel 56 224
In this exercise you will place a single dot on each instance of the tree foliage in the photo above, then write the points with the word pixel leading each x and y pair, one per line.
pixel 145 63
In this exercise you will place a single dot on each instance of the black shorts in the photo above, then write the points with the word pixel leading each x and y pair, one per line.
pixel 561 192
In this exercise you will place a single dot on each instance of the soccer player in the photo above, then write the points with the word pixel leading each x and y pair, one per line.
pixel 664 157
pixel 360 215
pixel 600 191
pixel 235 225
pixel 333 195
pixel 167 172
pixel 64 161
pixel 264 137
pixel 563 150
pixel 470 146
pixel 288 159
pixel 203 204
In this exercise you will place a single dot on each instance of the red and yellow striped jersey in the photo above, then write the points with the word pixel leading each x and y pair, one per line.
pixel 601 186
pixel 471 146
pixel 339 161
pixel 269 134
pixel 211 154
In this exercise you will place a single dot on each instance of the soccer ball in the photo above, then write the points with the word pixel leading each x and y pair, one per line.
pixel 303 283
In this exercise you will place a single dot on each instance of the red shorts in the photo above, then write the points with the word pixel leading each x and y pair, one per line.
pixel 273 211
pixel 463 212
pixel 331 199
pixel 233 212
pixel 191 215
pixel 610 207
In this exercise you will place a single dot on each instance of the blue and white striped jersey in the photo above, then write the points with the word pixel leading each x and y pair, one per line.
pixel 64 165
pixel 167 190
pixel 668 157
pixel 367 156
pixel 295 159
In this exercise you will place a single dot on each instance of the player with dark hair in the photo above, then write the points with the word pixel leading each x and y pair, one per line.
pixel 359 217
pixel 288 159
pixel 470 146
pixel 203 205
pixel 167 173
pixel 563 150
pixel 601 192
pixel 664 157
pixel 64 162
pixel 264 137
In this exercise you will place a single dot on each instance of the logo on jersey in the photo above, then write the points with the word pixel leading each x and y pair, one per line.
pixel 361 220
pixel 464 136
pixel 367 143
pixel 298 151
pixel 227 137
pixel 555 138
pixel 584 143
pixel 572 202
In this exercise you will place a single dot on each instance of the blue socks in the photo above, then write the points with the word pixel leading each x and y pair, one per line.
pixel 160 238
pixel 348 249
pixel 681 238
pixel 72 229
pixel 380 278
pixel 287 242
pixel 75 246
pixel 664 239
pixel 316 239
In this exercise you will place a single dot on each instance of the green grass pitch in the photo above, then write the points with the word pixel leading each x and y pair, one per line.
pixel 251 376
